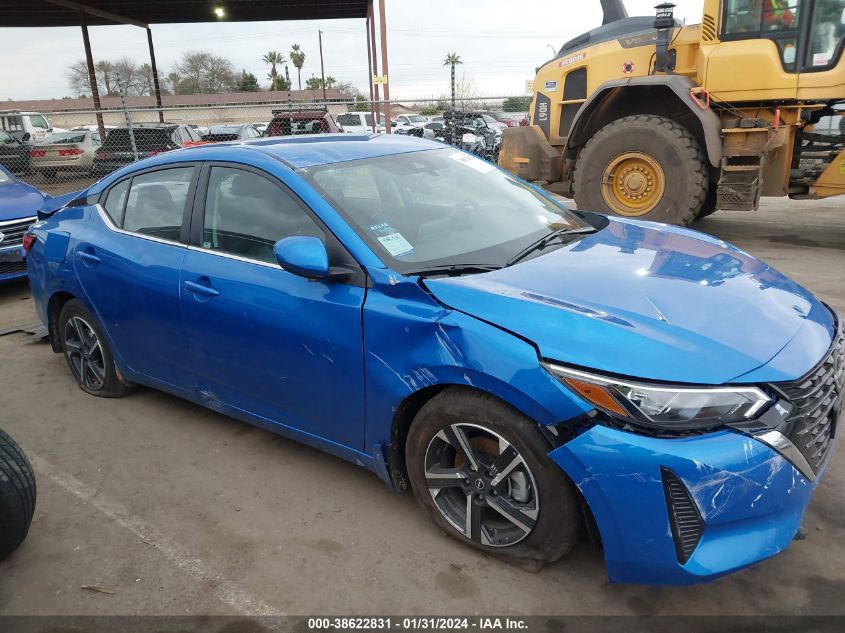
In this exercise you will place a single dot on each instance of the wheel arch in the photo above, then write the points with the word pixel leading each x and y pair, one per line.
pixel 54 307
pixel 663 95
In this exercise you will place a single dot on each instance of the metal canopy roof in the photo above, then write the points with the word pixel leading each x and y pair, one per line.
pixel 21 13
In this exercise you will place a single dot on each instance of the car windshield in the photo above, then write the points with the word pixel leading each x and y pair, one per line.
pixel 438 208
pixel 417 118
pixel 64 137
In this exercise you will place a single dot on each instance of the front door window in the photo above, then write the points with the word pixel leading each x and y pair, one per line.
pixel 827 33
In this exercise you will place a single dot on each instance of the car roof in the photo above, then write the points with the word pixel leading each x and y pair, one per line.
pixel 314 149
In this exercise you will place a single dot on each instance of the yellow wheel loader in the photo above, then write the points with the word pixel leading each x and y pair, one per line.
pixel 644 117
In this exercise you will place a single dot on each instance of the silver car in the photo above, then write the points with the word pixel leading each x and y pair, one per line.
pixel 65 151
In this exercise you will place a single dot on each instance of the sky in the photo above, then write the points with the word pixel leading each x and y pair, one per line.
pixel 500 42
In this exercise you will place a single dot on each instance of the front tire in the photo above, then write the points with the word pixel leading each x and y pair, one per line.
pixel 645 167
pixel 481 470
pixel 17 495
pixel 87 353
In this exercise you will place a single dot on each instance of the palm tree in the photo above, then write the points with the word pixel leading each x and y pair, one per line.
pixel 298 59
pixel 452 59
pixel 273 58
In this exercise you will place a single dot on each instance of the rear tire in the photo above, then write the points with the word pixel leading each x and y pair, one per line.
pixel 87 353
pixel 536 493
pixel 17 495
pixel 646 167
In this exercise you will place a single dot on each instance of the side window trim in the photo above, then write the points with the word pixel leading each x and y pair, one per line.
pixel 184 232
pixel 197 221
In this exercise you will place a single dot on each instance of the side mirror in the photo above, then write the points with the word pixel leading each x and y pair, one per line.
pixel 304 256
pixel 26 136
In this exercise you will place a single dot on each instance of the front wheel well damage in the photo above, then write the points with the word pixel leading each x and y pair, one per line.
pixel 54 308
pixel 407 411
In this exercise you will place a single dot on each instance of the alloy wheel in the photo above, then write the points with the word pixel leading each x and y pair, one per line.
pixel 481 485
pixel 84 353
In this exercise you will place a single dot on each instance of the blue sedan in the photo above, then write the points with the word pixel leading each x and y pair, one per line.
pixel 526 370
pixel 19 203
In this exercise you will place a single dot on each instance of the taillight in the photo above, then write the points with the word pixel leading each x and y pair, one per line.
pixel 28 241
pixel 71 152
pixel 37 153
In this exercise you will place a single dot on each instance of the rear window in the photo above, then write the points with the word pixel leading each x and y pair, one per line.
pixel 349 119
pixel 65 137
pixel 283 126
pixel 156 202
pixel 145 139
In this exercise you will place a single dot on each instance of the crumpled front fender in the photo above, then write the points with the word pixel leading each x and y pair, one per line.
pixel 751 499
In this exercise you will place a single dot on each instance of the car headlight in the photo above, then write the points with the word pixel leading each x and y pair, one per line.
pixel 664 406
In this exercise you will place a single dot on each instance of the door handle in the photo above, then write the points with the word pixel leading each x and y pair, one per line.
pixel 208 291
pixel 88 258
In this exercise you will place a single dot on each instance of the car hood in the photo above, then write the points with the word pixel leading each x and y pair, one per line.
pixel 645 300
pixel 19 200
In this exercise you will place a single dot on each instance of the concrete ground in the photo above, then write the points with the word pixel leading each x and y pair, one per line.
pixel 180 510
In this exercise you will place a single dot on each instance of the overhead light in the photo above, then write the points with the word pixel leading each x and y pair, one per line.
pixel 220 12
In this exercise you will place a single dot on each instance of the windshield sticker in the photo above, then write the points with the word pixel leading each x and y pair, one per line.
pixel 396 244
pixel 477 164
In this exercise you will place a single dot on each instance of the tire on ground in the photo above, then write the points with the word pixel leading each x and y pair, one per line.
pixel 559 519
pixel 114 386
pixel 17 495
pixel 667 142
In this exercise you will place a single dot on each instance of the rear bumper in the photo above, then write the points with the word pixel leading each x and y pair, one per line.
pixel 751 501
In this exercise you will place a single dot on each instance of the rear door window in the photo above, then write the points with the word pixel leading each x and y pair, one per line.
pixel 116 200
pixel 156 203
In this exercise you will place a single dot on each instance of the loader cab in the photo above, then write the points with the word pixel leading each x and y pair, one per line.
pixel 789 46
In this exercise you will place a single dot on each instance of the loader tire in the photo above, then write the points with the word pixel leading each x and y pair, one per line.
pixel 645 167
pixel 17 495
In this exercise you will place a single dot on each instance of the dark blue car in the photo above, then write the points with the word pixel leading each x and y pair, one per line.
pixel 525 369
pixel 19 203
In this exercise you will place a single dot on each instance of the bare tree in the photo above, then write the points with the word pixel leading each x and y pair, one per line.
pixel 201 71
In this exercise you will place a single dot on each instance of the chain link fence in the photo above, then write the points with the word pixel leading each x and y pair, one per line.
pixel 65 151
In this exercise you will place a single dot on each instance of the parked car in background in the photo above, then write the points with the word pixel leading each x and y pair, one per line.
pixel 219 133
pixel 505 118
pixel 292 123
pixel 14 153
pixel 19 203
pixel 92 127
pixel 420 131
pixel 19 124
pixel 150 139
pixel 412 119
pixel 64 151
pixel 360 122
pixel 524 369
pixel 261 127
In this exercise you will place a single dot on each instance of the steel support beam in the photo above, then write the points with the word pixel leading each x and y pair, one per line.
pixel 92 77
pixel 156 86
pixel 383 30
pixel 371 23
pixel 106 15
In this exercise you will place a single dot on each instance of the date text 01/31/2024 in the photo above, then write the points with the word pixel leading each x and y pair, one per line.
pixel 429 623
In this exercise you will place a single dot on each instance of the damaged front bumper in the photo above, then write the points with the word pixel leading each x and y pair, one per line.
pixel 685 510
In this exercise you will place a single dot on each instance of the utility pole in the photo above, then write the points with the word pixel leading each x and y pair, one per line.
pixel 322 72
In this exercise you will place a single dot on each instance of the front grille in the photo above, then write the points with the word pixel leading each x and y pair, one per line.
pixel 684 517
pixel 10 268
pixel 812 424
pixel 13 231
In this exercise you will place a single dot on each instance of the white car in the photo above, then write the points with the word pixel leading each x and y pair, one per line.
pixel 35 124
pixel 65 151
pixel 359 122
pixel 417 120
